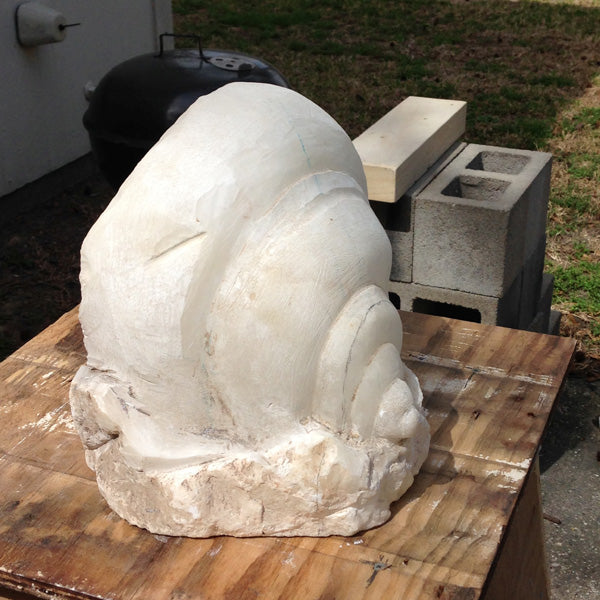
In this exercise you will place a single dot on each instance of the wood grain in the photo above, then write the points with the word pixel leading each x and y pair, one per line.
pixel 520 572
pixel 488 391
pixel 399 148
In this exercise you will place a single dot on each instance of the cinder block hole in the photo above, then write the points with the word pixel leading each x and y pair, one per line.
pixel 499 162
pixel 475 188
pixel 443 309
pixel 394 299
pixel 393 216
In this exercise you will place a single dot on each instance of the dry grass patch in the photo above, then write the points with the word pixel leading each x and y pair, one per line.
pixel 573 252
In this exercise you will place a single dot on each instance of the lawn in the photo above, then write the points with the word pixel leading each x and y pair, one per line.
pixel 529 70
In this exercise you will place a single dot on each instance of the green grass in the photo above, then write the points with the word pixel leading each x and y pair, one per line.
pixel 587 117
pixel 570 198
pixel 553 80
pixel 479 66
pixel 578 286
pixel 413 47
pixel 574 206
pixel 584 166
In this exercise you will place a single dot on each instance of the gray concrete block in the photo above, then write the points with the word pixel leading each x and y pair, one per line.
pixel 541 321
pixel 532 169
pixel 545 302
pixel 398 218
pixel 503 311
pixel 537 196
pixel 554 322
pixel 467 244
pixel 479 220
pixel 402 255
pixel 531 288
pixel 539 324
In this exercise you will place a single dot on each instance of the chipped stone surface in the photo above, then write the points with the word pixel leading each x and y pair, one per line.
pixel 243 373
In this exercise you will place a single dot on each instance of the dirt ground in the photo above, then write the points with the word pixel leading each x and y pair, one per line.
pixel 39 259
pixel 570 466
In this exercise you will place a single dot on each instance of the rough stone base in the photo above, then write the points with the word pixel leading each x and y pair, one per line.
pixel 263 494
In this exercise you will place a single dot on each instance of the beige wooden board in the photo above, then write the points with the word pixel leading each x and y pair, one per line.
pixel 488 391
pixel 404 143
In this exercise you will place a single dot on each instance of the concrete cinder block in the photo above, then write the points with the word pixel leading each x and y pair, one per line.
pixel 531 289
pixel 541 321
pixel 402 251
pixel 554 324
pixel 398 218
pixel 479 220
pixel 537 196
pixel 503 311
pixel 404 143
pixel 468 244
pixel 545 302
pixel 532 169
pixel 539 324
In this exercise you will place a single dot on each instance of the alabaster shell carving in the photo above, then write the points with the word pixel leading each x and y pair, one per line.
pixel 243 373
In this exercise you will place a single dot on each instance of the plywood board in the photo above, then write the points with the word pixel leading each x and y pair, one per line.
pixel 404 143
pixel 520 571
pixel 488 391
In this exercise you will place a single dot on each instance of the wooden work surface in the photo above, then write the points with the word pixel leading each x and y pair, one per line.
pixel 488 390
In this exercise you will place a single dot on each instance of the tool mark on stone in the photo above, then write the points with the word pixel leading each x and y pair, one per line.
pixel 178 245
pixel 349 359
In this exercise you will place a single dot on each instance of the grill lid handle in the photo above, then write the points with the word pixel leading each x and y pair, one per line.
pixel 196 38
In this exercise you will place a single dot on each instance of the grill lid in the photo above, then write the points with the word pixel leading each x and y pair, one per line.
pixel 139 99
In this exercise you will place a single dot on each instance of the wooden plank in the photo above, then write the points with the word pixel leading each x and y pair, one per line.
pixel 520 571
pixel 59 538
pixel 60 346
pixel 404 143
pixel 35 411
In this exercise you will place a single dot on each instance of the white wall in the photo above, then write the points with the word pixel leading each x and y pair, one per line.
pixel 41 88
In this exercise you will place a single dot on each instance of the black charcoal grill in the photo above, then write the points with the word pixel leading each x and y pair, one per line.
pixel 139 99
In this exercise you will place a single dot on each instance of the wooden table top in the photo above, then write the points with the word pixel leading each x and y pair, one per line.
pixel 488 391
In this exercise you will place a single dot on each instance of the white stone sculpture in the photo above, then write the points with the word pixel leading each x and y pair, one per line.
pixel 243 373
